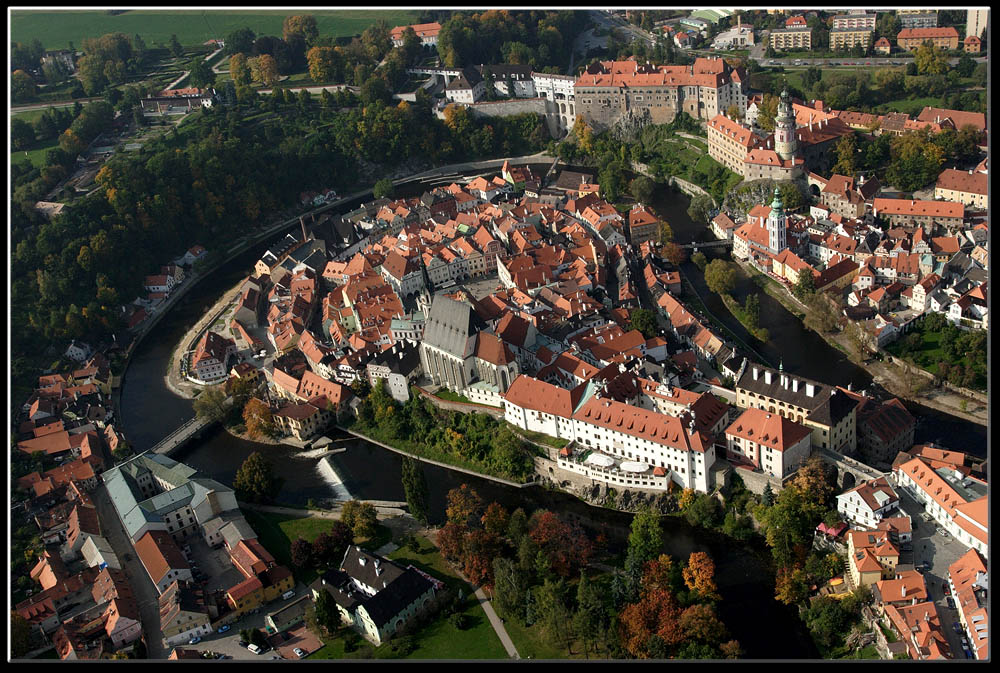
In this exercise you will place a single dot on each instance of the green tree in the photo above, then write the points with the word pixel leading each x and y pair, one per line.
pixel 22 87
pixel 642 189
pixel 202 75
pixel 255 480
pixel 752 307
pixel 383 189
pixel 930 59
pixel 644 320
pixel 415 488
pixel 361 517
pixel 720 276
pixel 239 70
pixel 805 285
pixel 645 538
pixel 699 208
pixel 300 25
pixel 175 46
pixel 846 151
pixel 20 635
pixel 210 404
pixel 699 260
pixel 768 111
pixel 22 134
pixel 590 619
pixel 239 41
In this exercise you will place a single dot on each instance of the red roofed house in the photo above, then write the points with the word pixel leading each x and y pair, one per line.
pixel 868 503
pixel 967 578
pixel 775 444
pixel 919 628
pixel 871 556
pixel 162 559
pixel 208 364
pixel 968 187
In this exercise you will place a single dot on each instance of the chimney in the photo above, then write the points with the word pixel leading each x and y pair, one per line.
pixel 756 373
pixel 302 221
pixel 795 385
pixel 810 390
pixel 767 377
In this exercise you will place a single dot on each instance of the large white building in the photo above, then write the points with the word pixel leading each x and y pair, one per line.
pixel 616 443
pixel 957 502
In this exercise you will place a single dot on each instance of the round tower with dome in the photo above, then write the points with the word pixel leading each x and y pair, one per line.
pixel 776 221
pixel 785 143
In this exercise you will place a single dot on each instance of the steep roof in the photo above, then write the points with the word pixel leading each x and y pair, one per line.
pixel 771 430
pixel 450 324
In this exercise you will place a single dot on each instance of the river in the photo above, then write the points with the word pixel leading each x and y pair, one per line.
pixel 150 412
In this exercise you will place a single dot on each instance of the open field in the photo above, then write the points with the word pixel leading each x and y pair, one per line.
pixel 57 29
pixel 35 156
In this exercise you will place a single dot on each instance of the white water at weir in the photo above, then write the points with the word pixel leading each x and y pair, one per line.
pixel 329 474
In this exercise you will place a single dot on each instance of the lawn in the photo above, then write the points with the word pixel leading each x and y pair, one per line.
pixel 277 531
pixel 57 29
pixel 440 639
pixel 36 156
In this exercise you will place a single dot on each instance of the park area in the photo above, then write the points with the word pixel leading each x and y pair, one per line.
pixel 57 30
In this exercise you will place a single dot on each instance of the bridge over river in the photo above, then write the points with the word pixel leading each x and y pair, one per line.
pixel 710 244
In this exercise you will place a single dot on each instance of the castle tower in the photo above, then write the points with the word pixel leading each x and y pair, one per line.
pixel 785 143
pixel 776 221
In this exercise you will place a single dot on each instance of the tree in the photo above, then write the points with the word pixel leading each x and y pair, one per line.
pixel 805 285
pixel 655 614
pixel 930 60
pixel 239 41
pixel 301 25
pixel 846 151
pixel 565 545
pixel 463 505
pixel 720 276
pixel 664 233
pixel 768 111
pixel 202 75
pixel 210 404
pixel 239 70
pixel 644 320
pixel 510 587
pixel 495 520
pixel 698 210
pixel 645 536
pixel 175 46
pixel 590 619
pixel 752 308
pixel 383 189
pixel 22 134
pixel 264 69
pixel 374 89
pixel 699 575
pixel 675 253
pixel 415 488
pixel 915 160
pixel 699 260
pixel 258 418
pixel 700 623
pixel 302 553
pixel 768 497
pixel 790 586
pixel 450 540
pixel 22 87
pixel 325 64
pixel 255 480
pixel 643 189
pixel 20 634
pixel 360 517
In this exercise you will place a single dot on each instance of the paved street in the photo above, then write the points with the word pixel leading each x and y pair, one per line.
pixel 941 551
pixel 146 595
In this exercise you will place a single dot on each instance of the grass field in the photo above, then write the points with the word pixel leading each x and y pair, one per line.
pixel 57 29
pixel 36 156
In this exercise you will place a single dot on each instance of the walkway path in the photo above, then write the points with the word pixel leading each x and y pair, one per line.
pixel 385 510
pixel 496 623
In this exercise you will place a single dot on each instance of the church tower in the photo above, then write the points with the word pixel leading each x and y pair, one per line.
pixel 785 143
pixel 776 221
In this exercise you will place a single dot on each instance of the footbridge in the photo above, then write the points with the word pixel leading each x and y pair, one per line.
pixel 181 436
pixel 710 244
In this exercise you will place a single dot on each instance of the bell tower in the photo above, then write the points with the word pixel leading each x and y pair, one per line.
pixel 776 221
pixel 785 143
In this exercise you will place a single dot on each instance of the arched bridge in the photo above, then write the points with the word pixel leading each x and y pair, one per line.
pixel 848 469
pixel 181 435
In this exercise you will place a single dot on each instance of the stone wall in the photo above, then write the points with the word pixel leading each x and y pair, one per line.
pixel 508 108
pixel 688 188
pixel 756 481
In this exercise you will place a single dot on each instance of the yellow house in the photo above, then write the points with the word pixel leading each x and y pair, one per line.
pixel 871 556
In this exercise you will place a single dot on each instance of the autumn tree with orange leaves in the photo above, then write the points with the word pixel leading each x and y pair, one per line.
pixel 463 504
pixel 699 575
pixel 566 545
pixel 655 614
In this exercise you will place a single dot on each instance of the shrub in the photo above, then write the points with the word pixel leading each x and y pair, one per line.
pixel 460 621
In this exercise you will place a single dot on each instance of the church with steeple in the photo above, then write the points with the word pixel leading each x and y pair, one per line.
pixel 763 241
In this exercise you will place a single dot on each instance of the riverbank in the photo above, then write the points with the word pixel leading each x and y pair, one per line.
pixel 887 373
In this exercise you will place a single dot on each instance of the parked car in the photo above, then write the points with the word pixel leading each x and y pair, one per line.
pixel 195 640
pixel 944 587
pixel 299 652
pixel 224 628
pixel 967 652
pixel 950 601
pixel 965 642
pixel 957 627
pixel 254 648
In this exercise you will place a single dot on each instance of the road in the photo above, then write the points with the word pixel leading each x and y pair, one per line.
pixel 146 595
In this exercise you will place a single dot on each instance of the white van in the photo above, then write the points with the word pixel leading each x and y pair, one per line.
pixel 288 594
pixel 254 648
